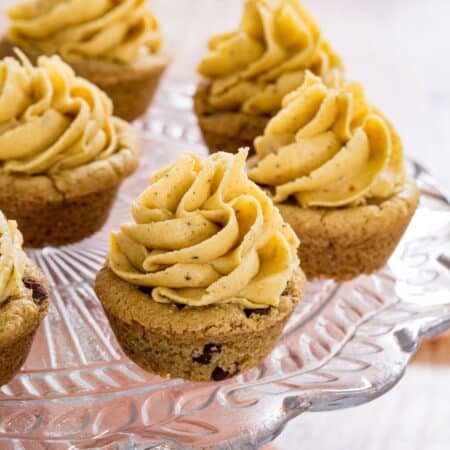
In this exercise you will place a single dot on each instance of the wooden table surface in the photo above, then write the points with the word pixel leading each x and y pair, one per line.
pixel 400 50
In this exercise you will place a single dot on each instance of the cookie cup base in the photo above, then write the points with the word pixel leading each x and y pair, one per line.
pixel 347 242
pixel 13 357
pixel 209 343
pixel 226 131
pixel 58 221
pixel 16 339
pixel 131 96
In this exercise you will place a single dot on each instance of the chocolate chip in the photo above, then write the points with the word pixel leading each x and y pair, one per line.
pixel 146 290
pixel 286 291
pixel 208 351
pixel 220 374
pixel 180 306
pixel 39 292
pixel 260 312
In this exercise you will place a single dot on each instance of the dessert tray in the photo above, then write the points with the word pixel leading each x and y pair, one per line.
pixel 345 345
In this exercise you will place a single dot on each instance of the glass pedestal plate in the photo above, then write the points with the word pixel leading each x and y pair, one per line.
pixel 345 345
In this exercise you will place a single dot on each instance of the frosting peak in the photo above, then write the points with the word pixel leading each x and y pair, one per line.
pixel 254 67
pixel 203 234
pixel 329 147
pixel 51 120
pixel 12 261
pixel 117 30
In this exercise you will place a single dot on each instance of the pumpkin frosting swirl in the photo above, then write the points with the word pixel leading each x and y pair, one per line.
pixel 329 147
pixel 252 69
pixel 114 30
pixel 51 120
pixel 12 262
pixel 204 234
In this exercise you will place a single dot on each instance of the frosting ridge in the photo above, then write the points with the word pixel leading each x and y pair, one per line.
pixel 56 122
pixel 104 29
pixel 253 68
pixel 329 147
pixel 12 261
pixel 203 234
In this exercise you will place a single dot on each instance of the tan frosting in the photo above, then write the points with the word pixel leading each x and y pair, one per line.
pixel 51 120
pixel 116 30
pixel 329 147
pixel 253 68
pixel 205 234
pixel 12 262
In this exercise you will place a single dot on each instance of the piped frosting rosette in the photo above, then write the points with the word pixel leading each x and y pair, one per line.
pixel 204 234
pixel 51 120
pixel 12 261
pixel 115 30
pixel 329 147
pixel 252 69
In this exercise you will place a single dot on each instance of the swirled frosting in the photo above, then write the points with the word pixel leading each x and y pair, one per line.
pixel 252 69
pixel 51 120
pixel 12 261
pixel 329 147
pixel 115 30
pixel 205 234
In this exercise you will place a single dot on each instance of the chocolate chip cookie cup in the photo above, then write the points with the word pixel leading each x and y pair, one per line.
pixel 63 155
pixel 115 45
pixel 201 285
pixel 211 343
pixel 334 166
pixel 348 242
pixel 248 72
pixel 24 301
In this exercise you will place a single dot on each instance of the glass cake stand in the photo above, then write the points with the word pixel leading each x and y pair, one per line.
pixel 345 345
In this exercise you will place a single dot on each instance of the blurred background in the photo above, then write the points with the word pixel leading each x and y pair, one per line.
pixel 400 50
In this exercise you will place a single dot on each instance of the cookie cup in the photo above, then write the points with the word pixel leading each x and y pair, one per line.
pixel 343 243
pixel 226 131
pixel 209 343
pixel 68 206
pixel 19 321
pixel 131 87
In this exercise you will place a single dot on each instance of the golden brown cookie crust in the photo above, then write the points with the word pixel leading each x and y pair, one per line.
pixel 19 321
pixel 347 242
pixel 199 344
pixel 58 209
pixel 226 131
pixel 131 98
pixel 59 221
pixel 131 87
